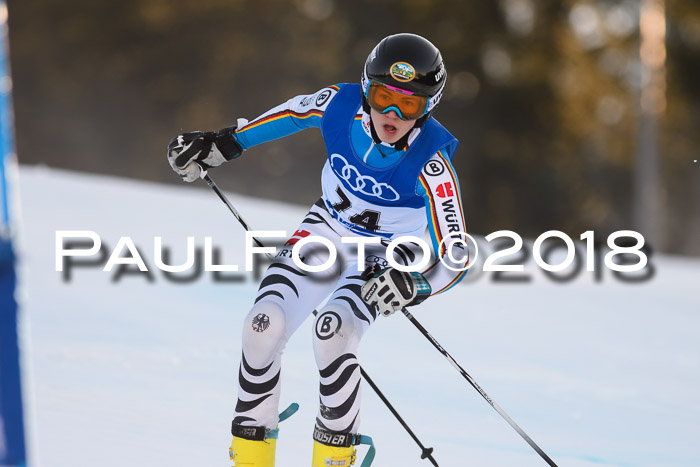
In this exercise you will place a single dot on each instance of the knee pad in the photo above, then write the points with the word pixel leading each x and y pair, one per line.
pixel 264 333
pixel 335 333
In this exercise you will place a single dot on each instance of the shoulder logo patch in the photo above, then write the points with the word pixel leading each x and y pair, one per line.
pixel 322 97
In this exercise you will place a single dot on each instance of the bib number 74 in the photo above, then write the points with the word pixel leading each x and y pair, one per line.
pixel 367 219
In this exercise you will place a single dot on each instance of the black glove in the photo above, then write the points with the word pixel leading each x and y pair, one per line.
pixel 189 153
pixel 392 289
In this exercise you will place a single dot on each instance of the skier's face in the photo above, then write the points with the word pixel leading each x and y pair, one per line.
pixel 389 127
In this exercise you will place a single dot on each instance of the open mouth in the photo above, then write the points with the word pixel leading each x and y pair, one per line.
pixel 390 129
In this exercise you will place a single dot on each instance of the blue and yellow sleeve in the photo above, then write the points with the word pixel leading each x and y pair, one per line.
pixel 445 216
pixel 297 114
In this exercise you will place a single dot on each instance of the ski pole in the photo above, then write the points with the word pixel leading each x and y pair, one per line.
pixel 228 204
pixel 478 388
pixel 425 452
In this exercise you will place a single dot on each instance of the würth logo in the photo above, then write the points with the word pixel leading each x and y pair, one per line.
pixel 296 236
pixel 444 190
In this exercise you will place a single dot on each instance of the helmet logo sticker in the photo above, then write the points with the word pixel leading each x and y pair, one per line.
pixel 402 71
pixel 440 73
pixel 373 55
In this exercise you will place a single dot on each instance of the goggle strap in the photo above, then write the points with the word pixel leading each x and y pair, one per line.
pixel 392 88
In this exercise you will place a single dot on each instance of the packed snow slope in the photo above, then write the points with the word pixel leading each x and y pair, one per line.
pixel 137 369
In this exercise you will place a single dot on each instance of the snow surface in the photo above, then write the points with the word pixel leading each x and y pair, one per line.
pixel 139 373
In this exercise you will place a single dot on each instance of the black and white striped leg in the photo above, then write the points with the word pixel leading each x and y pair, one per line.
pixel 264 337
pixel 338 329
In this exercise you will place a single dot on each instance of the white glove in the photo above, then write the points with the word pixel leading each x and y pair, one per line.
pixel 391 290
pixel 189 153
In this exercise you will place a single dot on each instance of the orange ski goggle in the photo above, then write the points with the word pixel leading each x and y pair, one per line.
pixel 408 105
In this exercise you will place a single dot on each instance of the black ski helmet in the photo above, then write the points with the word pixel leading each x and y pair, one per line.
pixel 409 62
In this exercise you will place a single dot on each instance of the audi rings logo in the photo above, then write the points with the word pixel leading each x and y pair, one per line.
pixel 362 183
pixel 371 260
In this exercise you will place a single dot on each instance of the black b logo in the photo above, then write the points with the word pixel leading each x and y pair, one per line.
pixel 434 168
pixel 327 325
pixel 322 98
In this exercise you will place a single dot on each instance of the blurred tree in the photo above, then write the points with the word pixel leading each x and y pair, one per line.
pixel 542 94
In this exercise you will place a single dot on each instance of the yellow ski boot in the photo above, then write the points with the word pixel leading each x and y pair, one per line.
pixel 254 446
pixel 325 456
pixel 252 453
pixel 337 449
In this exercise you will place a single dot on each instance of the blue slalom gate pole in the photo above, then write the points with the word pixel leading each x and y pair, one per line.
pixel 12 441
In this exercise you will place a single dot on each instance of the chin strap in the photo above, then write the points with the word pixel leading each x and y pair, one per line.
pixel 375 136
pixel 401 144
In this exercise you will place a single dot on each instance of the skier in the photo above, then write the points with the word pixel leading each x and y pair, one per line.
pixel 388 174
